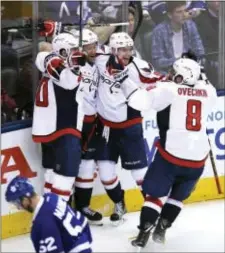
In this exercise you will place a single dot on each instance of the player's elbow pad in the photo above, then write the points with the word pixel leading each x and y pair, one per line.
pixel 68 80
pixel 140 100
pixel 128 87
pixel 40 60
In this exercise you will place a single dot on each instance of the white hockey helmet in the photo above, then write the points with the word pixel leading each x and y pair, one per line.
pixel 188 70
pixel 74 32
pixel 120 39
pixel 88 37
pixel 64 41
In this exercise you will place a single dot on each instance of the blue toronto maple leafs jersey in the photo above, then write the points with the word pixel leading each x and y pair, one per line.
pixel 59 229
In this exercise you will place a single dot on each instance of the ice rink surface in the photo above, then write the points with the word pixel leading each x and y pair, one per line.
pixel 199 228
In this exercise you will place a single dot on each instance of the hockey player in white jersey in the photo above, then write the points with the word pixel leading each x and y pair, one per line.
pixel 121 124
pixel 56 228
pixel 182 107
pixel 92 156
pixel 87 97
pixel 57 120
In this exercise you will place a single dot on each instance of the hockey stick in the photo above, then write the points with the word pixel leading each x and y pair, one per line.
pixel 80 27
pixel 214 169
pixel 72 201
pixel 138 7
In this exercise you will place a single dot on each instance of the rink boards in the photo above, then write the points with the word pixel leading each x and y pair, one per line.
pixel 19 155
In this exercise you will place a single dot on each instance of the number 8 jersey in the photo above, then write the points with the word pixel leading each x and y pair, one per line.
pixel 182 113
pixel 57 228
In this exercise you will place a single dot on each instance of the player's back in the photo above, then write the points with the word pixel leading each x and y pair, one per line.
pixel 58 228
pixel 182 124
pixel 55 108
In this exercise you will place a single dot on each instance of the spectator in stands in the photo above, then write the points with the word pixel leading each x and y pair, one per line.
pixel 137 41
pixel 173 37
pixel 8 104
pixel 195 8
pixel 106 11
pixel 208 27
pixel 157 10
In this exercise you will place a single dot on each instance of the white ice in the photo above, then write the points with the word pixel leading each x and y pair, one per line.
pixel 199 228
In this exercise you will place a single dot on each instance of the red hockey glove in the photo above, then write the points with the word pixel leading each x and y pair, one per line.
pixel 49 28
pixel 76 59
pixel 54 65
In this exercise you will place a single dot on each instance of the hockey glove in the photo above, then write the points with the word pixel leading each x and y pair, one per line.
pixel 77 59
pixel 49 28
pixel 54 65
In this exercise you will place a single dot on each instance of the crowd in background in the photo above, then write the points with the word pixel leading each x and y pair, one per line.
pixel 166 30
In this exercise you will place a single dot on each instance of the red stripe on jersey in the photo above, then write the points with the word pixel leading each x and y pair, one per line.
pixel 90 135
pixel 82 180
pixel 180 162
pixel 60 192
pixel 48 185
pixel 150 80
pixel 55 135
pixel 156 201
pixel 79 78
pixel 120 125
pixel 43 86
pixel 110 182
pixel 89 118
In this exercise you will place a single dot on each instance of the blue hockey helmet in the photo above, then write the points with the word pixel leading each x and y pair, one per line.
pixel 17 189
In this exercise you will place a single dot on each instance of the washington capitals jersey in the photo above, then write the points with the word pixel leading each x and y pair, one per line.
pixel 88 88
pixel 87 91
pixel 57 228
pixel 112 106
pixel 142 73
pixel 182 113
pixel 56 108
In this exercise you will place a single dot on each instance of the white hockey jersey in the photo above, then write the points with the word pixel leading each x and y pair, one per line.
pixel 182 113
pixel 112 104
pixel 142 73
pixel 87 91
pixel 56 107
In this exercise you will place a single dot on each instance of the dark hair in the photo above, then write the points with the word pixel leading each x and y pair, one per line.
pixel 172 5
pixel 131 10
pixel 190 55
